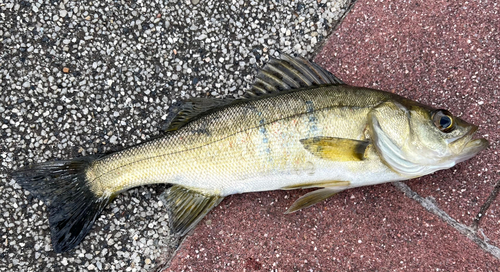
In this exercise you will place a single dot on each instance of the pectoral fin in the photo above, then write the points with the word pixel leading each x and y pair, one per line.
pixel 312 198
pixel 188 207
pixel 336 149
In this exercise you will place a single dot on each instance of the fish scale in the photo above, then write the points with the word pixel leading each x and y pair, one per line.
pixel 297 127
pixel 241 141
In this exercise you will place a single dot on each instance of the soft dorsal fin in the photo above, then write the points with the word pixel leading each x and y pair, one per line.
pixel 285 74
pixel 289 73
pixel 185 111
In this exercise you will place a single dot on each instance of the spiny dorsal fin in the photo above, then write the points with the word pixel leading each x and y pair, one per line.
pixel 289 73
pixel 285 74
pixel 188 207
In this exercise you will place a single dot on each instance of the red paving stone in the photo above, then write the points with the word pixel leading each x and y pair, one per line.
pixel 368 228
pixel 441 53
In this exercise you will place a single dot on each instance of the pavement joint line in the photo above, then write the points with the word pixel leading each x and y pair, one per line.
pixel 486 206
pixel 469 232
pixel 319 46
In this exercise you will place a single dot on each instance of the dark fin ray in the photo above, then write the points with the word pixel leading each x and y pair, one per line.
pixel 336 149
pixel 326 76
pixel 293 73
pixel 302 70
pixel 289 73
pixel 185 111
pixel 312 198
pixel 188 207
pixel 72 206
pixel 273 79
pixel 261 87
pixel 280 69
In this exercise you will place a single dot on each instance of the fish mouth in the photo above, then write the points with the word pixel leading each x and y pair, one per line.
pixel 467 147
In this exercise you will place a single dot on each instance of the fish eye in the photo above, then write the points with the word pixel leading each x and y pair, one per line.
pixel 443 120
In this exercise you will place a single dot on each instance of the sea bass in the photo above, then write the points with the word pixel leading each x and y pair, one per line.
pixel 298 127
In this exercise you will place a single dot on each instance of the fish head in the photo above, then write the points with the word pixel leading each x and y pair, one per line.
pixel 416 140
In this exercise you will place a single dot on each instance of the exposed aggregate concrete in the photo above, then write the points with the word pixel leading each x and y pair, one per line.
pixel 81 78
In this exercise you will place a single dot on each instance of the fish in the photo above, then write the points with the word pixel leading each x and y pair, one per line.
pixel 299 126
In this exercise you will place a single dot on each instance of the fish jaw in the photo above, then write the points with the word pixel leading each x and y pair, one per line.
pixel 473 147
pixel 468 147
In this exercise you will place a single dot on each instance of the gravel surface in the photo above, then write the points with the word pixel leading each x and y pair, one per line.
pixel 82 78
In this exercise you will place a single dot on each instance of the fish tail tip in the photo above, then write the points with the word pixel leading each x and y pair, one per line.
pixel 72 205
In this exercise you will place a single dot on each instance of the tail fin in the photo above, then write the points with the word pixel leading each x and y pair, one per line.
pixel 64 188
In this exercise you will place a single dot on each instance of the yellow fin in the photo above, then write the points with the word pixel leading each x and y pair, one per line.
pixel 312 198
pixel 316 185
pixel 188 207
pixel 336 149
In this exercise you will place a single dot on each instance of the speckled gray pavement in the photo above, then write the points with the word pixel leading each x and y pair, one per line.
pixel 80 78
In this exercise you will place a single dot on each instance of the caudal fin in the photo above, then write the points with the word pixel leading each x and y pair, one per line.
pixel 64 188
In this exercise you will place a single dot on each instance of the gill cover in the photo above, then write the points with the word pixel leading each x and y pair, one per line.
pixel 407 140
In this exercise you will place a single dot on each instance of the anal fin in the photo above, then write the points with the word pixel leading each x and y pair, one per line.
pixel 312 198
pixel 188 207
pixel 336 149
